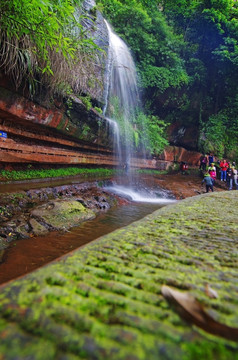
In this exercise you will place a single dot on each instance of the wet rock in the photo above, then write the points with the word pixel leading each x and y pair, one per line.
pixel 23 229
pixel 5 213
pixel 16 208
pixel 11 224
pixel 183 135
pixel 178 154
pixel 61 214
pixel 3 244
pixel 37 228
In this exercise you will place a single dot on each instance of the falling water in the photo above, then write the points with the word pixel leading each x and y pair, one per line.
pixel 121 103
pixel 115 134
pixel 122 89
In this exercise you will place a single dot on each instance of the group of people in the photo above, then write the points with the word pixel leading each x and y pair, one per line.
pixel 228 172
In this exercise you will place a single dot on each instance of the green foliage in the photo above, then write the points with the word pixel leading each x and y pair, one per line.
pixel 155 46
pixel 85 131
pixel 220 136
pixel 186 53
pixel 214 135
pixel 40 22
pixel 151 172
pixel 99 110
pixel 53 173
pixel 86 100
pixel 42 39
pixel 163 78
pixel 187 56
pixel 143 131
pixel 152 133
pixel 116 113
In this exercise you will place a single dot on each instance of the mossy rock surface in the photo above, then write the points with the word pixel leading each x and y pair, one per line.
pixel 105 301
pixel 59 214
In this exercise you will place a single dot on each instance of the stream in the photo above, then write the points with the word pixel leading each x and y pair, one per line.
pixel 24 256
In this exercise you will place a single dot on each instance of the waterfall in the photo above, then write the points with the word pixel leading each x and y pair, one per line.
pixel 115 134
pixel 122 97
pixel 121 103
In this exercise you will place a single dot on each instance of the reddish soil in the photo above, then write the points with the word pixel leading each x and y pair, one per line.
pixel 183 186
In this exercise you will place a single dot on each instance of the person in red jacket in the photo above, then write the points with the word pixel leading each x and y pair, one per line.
pixel 223 166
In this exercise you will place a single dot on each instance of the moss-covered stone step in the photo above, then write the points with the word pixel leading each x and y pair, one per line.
pixel 105 300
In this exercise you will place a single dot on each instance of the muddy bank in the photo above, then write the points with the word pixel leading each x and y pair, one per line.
pixel 187 185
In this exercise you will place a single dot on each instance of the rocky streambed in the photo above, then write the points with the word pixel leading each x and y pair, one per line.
pixel 37 212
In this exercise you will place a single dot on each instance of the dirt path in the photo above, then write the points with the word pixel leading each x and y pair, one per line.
pixel 184 186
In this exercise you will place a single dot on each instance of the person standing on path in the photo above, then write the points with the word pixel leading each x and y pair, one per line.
pixel 233 177
pixel 208 181
pixel 229 177
pixel 235 172
pixel 210 159
pixel 203 163
pixel 223 166
pixel 212 172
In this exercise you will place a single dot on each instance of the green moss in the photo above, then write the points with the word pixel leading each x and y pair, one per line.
pixel 53 173
pixel 105 300
pixel 210 350
pixel 61 212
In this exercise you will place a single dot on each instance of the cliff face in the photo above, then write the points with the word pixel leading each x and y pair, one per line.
pixel 45 130
pixel 37 134
pixel 184 135
pixel 96 29
pixel 48 130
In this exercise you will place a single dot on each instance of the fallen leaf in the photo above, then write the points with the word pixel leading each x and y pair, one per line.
pixel 191 310
pixel 211 293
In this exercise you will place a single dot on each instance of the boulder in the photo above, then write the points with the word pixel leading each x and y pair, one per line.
pixel 37 228
pixel 61 214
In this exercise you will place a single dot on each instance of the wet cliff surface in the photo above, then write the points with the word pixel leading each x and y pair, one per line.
pixel 105 300
pixel 60 129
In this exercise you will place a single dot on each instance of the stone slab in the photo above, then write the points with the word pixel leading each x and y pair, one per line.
pixel 104 301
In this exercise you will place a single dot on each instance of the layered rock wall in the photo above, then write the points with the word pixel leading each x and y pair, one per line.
pixel 54 132
pixel 176 154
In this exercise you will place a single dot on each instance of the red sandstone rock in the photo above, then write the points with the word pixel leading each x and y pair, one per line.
pixel 178 154
pixel 33 137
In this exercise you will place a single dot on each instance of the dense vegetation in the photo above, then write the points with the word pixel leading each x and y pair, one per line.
pixel 29 173
pixel 43 43
pixel 26 174
pixel 187 55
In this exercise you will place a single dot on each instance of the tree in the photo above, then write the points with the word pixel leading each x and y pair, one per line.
pixel 210 29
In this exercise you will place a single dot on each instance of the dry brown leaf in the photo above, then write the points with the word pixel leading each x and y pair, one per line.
pixel 210 292
pixel 192 311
